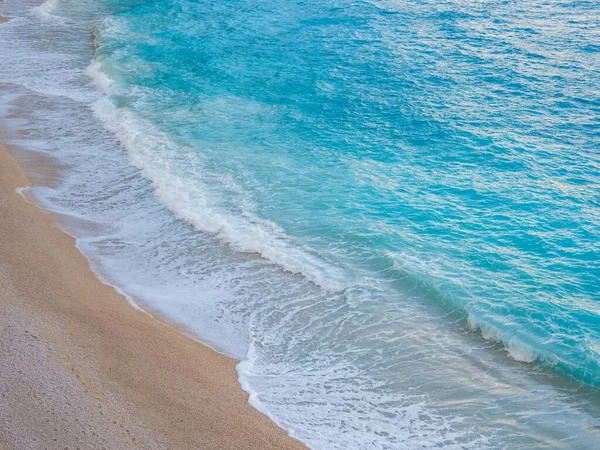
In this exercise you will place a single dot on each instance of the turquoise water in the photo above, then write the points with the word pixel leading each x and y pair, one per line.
pixel 389 211
pixel 453 146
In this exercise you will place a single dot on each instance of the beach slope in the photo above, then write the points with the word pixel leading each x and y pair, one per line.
pixel 80 368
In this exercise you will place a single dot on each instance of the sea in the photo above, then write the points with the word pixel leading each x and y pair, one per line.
pixel 388 211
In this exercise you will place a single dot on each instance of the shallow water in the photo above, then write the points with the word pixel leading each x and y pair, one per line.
pixel 387 211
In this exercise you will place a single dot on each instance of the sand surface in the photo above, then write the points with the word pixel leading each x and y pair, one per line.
pixel 80 368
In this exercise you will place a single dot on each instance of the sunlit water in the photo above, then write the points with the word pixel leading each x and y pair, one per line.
pixel 388 211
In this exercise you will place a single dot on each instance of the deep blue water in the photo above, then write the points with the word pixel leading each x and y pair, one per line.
pixel 394 205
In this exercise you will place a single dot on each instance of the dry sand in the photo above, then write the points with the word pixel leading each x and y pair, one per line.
pixel 80 368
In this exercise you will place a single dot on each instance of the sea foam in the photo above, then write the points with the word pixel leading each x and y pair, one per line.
pixel 98 78
pixel 45 10
pixel 354 353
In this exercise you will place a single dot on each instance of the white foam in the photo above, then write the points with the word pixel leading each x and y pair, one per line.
pixel 44 11
pixel 40 66
pixel 21 191
pixel 99 79
pixel 304 403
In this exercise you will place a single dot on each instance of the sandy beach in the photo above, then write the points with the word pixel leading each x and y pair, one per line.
pixel 82 369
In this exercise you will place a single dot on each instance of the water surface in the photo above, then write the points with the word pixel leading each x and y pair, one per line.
pixel 388 211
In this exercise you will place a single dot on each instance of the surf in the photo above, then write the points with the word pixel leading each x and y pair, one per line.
pixel 340 201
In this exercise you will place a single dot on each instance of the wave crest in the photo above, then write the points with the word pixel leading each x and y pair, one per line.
pixel 44 11
pixel 182 191
pixel 516 349
pixel 98 78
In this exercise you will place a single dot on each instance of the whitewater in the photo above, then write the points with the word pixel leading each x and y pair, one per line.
pixel 388 212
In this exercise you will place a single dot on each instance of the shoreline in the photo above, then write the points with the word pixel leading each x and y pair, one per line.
pixel 83 368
